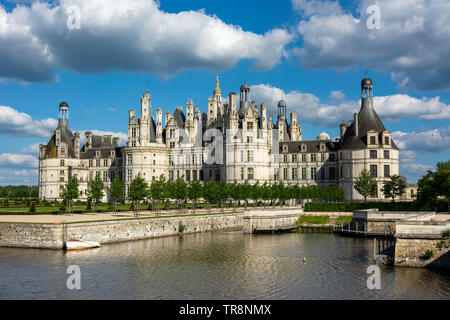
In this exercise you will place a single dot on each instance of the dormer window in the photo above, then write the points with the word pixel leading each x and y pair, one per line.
pixel 386 141
pixel 303 147
pixel 372 139
pixel 285 148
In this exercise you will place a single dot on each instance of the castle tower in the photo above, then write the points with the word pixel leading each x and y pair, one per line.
pixel 159 127
pixel 146 106
pixel 244 99
pixel 63 114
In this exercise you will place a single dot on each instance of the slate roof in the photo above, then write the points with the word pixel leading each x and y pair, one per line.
pixel 367 120
pixel 312 146
pixel 66 137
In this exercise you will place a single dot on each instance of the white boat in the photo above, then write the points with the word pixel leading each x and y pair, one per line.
pixel 80 245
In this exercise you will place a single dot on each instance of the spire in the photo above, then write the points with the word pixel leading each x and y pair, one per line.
pixel 217 92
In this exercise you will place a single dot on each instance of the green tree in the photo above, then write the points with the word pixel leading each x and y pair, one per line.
pixel 32 207
pixel 95 190
pixel 393 187
pixel 70 192
pixel 434 184
pixel 246 192
pixel 195 191
pixel 210 191
pixel 222 192
pixel 157 189
pixel 180 190
pixel 275 193
pixel 137 192
pixel 255 193
pixel 365 184
pixel 116 191
pixel 266 192
pixel 234 189
pixel 169 190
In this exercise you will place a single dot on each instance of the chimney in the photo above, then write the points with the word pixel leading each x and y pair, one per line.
pixel 343 128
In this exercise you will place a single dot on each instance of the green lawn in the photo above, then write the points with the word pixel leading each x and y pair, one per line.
pixel 313 219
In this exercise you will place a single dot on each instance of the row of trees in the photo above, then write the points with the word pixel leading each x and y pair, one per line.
pixel 367 185
pixel 19 192
pixel 162 191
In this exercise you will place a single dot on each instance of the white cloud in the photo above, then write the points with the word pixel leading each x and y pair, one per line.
pixel 337 95
pixel 17 123
pixel 32 149
pixel 312 110
pixel 35 40
pixel 18 160
pixel 412 43
pixel 434 140
pixel 313 7
pixel 18 176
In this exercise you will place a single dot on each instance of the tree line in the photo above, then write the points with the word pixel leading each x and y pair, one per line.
pixel 161 191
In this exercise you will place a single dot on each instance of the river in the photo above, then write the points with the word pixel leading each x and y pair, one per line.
pixel 216 265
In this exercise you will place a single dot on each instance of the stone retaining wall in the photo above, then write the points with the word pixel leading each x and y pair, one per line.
pixel 51 236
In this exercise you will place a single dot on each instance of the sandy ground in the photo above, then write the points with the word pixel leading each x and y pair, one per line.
pixel 77 217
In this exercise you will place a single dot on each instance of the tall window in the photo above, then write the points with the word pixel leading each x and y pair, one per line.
pixel 250 155
pixel 313 157
pixel 105 176
pixel 91 163
pixel 188 175
pixel 303 157
pixel 332 173
pixel 129 175
pixel 386 154
pixel 386 171
pixel 249 125
pixel 372 140
pixel 332 157
pixel 285 173
pixel 386 140
pixel 373 170
pixel 62 163
pixel 285 158
pixel 294 158
pixel 97 163
pixel 373 154
pixel 194 175
pixel 170 160
pixel 217 174
pixel 130 159
pixel 105 162
pixel 201 175
pixel 313 173
pixel 276 173
pixel 322 157
pixel 250 173
pixel 294 173
pixel 242 173
pixel 304 174
pixel 170 174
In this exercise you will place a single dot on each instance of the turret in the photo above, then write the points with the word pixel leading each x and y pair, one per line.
pixel 88 139
pixel 159 127
pixel 244 99
pixel 263 116
pixel 63 114
pixel 76 144
pixel 145 106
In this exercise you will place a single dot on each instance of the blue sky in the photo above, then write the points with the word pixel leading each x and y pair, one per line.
pixel 313 54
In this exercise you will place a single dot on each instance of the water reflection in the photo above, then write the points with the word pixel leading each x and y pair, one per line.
pixel 219 265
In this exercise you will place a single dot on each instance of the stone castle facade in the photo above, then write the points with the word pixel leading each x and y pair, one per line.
pixel 235 140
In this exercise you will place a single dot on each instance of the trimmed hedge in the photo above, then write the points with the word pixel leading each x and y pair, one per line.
pixel 352 206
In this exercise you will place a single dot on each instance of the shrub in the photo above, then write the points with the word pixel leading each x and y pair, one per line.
pixel 62 209
pixel 428 254
pixel 32 207
pixel 352 206
pixel 181 227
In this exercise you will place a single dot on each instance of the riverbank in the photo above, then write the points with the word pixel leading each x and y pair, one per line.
pixel 50 232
